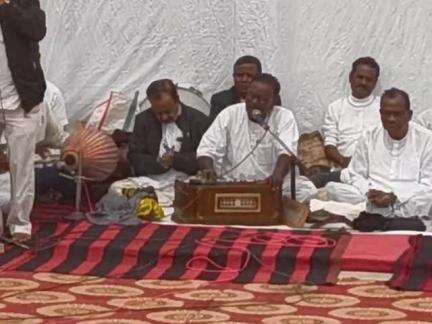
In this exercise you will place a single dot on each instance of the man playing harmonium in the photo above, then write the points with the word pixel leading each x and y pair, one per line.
pixel 348 117
pixel 237 148
pixel 392 166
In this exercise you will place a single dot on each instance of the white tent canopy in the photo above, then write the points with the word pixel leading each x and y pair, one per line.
pixel 96 46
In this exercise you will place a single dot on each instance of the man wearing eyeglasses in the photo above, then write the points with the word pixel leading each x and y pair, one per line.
pixel 166 136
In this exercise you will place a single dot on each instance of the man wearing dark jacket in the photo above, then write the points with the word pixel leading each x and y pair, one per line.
pixel 246 69
pixel 167 135
pixel 22 88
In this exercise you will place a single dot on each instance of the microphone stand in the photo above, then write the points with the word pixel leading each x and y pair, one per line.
pixel 293 160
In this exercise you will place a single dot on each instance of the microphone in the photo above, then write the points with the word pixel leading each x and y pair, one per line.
pixel 258 118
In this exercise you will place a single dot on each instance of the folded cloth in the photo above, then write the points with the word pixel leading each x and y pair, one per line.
pixel 412 269
pixel 406 224
pixel 368 222
pixel 130 208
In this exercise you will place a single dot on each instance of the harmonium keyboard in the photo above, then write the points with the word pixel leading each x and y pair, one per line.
pixel 234 203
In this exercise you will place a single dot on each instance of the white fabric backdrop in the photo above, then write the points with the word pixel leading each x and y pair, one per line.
pixel 96 46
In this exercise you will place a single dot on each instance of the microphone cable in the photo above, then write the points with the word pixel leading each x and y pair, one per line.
pixel 236 166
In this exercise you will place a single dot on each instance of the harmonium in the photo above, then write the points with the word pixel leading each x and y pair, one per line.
pixel 235 203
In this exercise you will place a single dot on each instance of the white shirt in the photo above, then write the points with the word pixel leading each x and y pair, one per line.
pixel 403 167
pixel 170 138
pixel 8 94
pixel 347 118
pixel 232 136
pixel 171 135
pixel 54 117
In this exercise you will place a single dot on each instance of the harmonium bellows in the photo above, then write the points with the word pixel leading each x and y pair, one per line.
pixel 232 203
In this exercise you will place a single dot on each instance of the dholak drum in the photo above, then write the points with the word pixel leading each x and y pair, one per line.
pixel 311 154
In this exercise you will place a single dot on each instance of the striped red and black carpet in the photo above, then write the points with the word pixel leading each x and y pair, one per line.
pixel 156 251
pixel 413 270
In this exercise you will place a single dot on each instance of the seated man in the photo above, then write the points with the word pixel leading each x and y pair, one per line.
pixel 167 135
pixel 392 165
pixel 237 148
pixel 348 117
pixel 53 133
pixel 246 69
pixel 163 144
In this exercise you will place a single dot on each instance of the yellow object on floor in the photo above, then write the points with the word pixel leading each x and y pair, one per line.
pixel 148 208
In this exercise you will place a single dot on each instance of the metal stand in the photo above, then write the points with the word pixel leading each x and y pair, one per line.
pixel 293 162
pixel 77 214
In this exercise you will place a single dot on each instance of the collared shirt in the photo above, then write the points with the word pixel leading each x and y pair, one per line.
pixel 346 119
pixel 8 94
pixel 400 166
pixel 232 136
pixel 171 136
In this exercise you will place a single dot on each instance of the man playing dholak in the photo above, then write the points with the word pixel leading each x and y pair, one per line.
pixel 235 147
pixel 392 166
pixel 348 117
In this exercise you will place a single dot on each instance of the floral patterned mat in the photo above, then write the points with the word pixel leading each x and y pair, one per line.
pixel 58 298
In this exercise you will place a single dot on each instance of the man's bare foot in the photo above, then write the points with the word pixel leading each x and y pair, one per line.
pixel 20 237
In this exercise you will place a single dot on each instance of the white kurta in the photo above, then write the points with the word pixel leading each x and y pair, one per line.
pixel 54 120
pixel 403 167
pixel 232 136
pixel 346 119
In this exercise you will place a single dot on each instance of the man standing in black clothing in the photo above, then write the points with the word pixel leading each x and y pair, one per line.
pixel 22 88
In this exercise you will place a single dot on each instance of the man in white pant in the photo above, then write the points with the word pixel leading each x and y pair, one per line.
pixel 22 88
pixel 392 166
pixel 51 135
